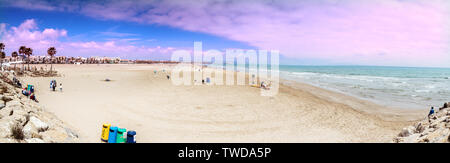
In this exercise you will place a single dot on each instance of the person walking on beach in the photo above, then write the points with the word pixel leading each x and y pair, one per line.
pixel 54 85
pixel 60 87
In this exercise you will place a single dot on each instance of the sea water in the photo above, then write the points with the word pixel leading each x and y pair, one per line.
pixel 404 87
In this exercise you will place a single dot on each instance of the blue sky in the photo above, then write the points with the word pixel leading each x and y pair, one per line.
pixel 83 28
pixel 306 32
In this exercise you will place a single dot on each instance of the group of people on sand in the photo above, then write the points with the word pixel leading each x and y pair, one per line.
pixel 29 92
pixel 53 85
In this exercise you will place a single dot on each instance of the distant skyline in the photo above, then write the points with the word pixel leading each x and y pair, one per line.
pixel 413 33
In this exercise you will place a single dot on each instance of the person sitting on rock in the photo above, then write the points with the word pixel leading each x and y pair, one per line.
pixel 18 84
pixel 431 112
pixel 25 92
pixel 33 97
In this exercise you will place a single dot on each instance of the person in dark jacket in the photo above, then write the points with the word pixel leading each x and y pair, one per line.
pixel 431 112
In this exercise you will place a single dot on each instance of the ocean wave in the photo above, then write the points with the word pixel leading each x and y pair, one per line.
pixel 422 91
pixel 402 89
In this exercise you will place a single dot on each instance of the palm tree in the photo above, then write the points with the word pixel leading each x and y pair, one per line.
pixel 51 52
pixel 14 55
pixel 22 50
pixel 28 52
pixel 2 53
pixel 2 56
pixel 2 46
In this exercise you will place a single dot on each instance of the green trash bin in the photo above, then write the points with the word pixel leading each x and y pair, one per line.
pixel 120 135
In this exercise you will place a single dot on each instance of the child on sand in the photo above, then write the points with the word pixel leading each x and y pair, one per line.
pixel 60 87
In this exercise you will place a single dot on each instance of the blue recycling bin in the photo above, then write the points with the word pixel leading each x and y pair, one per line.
pixel 112 134
pixel 131 137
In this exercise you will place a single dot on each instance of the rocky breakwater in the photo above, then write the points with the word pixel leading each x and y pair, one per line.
pixel 24 121
pixel 435 129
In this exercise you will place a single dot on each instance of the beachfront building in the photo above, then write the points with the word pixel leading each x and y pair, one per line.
pixel 45 59
pixel 104 60
pixel 126 61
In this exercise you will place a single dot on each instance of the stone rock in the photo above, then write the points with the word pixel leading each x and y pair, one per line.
pixel 40 126
pixel 55 135
pixel 34 140
pixel 14 102
pixel 71 133
pixel 2 104
pixel 6 98
pixel 5 128
pixel 420 128
pixel 7 140
pixel 19 116
pixel 410 139
pixel 434 125
pixel 6 111
pixel 407 131
pixel 29 131
pixel 438 136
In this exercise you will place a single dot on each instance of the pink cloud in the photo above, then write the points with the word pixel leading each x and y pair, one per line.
pixel 28 34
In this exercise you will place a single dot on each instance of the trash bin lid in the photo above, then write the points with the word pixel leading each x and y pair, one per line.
pixel 113 129
pixel 106 125
pixel 122 130
pixel 131 133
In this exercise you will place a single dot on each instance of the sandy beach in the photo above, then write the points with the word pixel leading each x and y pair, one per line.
pixel 137 99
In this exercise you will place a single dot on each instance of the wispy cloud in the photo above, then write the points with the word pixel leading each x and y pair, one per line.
pixel 117 34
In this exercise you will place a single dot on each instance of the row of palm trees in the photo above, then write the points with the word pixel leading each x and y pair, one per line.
pixel 24 51
pixel 2 53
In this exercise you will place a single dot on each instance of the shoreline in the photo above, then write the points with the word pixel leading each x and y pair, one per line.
pixel 392 91
pixel 299 113
pixel 377 102
pixel 359 104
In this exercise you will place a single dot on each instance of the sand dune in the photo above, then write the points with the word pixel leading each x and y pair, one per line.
pixel 159 111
